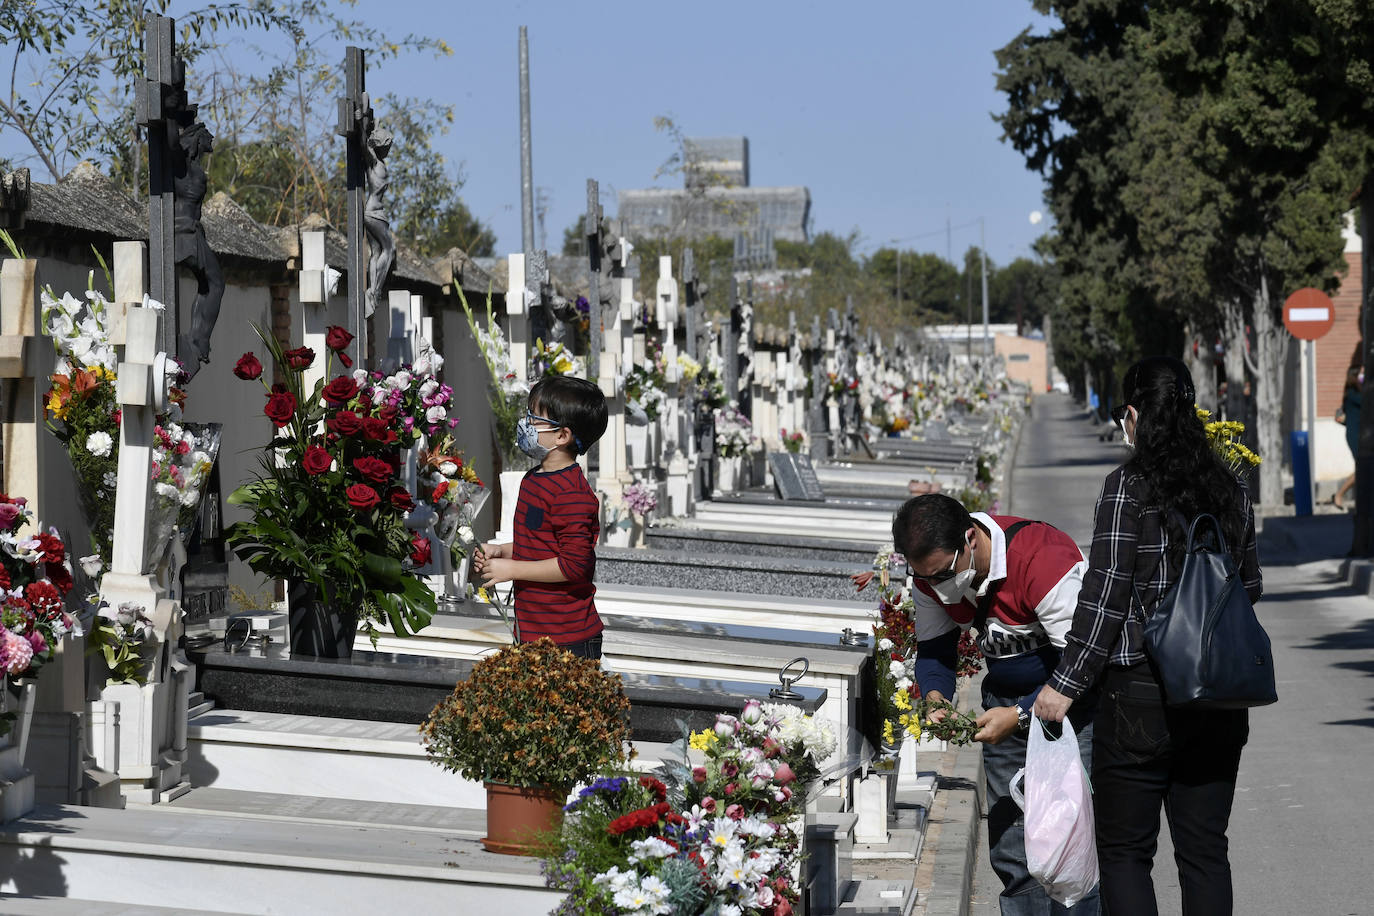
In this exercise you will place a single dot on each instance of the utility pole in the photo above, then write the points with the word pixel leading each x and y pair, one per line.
pixel 983 256
pixel 526 153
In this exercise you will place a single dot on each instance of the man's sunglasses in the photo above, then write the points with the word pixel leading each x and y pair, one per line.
pixel 943 574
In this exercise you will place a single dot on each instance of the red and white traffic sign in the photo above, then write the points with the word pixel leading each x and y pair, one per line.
pixel 1308 314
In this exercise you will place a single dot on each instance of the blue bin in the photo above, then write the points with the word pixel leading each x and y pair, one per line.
pixel 1302 472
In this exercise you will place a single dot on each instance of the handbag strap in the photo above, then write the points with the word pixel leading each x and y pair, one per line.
pixel 980 617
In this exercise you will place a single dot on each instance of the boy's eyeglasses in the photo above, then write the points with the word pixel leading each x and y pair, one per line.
pixel 1119 414
pixel 545 420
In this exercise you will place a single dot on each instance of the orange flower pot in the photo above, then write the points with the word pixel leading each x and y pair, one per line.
pixel 520 819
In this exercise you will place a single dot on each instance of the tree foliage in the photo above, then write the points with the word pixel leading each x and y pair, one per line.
pixel 272 111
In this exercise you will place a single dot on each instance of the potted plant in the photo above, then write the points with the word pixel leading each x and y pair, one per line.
pixel 328 507
pixel 530 722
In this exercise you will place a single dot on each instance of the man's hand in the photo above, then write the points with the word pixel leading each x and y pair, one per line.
pixel 495 571
pixel 996 724
pixel 938 715
pixel 1051 705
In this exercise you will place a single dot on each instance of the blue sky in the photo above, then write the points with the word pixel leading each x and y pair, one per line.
pixel 882 109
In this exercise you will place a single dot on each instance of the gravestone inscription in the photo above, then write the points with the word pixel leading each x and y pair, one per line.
pixel 794 477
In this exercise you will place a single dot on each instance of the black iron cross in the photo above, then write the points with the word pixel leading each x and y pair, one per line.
pixel 159 96
pixel 355 116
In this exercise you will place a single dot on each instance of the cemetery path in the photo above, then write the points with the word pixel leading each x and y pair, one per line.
pixel 1305 796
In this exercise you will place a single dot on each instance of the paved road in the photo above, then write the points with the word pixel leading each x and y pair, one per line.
pixel 1303 825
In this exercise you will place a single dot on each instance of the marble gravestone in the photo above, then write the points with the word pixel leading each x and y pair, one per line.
pixel 795 477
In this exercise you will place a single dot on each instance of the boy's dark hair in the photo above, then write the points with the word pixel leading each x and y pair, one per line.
pixel 572 402
pixel 927 523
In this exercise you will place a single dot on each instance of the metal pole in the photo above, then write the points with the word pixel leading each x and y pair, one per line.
pixel 1310 354
pixel 526 154
pixel 983 256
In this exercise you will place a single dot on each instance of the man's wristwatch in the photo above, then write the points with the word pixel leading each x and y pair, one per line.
pixel 1023 718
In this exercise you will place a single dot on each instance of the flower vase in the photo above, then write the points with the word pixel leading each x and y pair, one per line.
pixel 16 782
pixel 728 473
pixel 510 495
pixel 620 531
pixel 639 528
pixel 318 626
pixel 520 820
pixel 637 445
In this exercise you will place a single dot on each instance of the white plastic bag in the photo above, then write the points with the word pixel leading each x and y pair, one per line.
pixel 1061 848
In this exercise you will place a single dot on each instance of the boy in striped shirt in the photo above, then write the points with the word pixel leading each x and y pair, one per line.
pixel 553 558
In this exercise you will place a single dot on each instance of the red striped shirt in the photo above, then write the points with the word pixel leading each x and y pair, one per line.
pixel 557 516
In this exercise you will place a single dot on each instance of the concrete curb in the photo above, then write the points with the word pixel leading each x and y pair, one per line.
pixel 952 842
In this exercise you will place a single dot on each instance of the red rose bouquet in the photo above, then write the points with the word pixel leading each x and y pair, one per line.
pixel 329 505
pixel 35 578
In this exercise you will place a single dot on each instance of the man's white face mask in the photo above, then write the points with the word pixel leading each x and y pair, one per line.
pixel 1128 413
pixel 955 588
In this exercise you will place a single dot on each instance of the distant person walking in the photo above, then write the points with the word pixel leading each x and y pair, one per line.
pixel 1348 415
pixel 1146 754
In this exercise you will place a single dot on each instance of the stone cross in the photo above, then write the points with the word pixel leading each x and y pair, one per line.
pixel 730 341
pixel 314 298
pixel 152 732
pixel 355 120
pixel 158 98
pixel 518 301
pixel 743 357
pixel 591 230
pixel 816 413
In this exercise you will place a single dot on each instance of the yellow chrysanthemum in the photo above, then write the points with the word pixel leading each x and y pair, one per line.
pixel 912 723
pixel 889 733
pixel 902 700
pixel 702 740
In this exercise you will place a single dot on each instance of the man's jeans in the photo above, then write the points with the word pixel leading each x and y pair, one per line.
pixel 1022 895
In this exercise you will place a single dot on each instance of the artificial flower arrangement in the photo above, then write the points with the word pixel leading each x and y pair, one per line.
pixel 734 432
pixel 1224 436
pixel 840 386
pixel 644 389
pixel 35 578
pixel 506 392
pixel 716 837
pixel 328 507
pixel 83 413
pixel 124 638
pixel 641 498
pixel 450 486
pixel 531 715
pixel 687 367
pixel 710 385
pixel 793 441
pixel 554 359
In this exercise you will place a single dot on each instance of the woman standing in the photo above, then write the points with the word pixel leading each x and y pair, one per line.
pixel 1147 754
pixel 1349 416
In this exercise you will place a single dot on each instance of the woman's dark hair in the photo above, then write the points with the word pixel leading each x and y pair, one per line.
pixel 927 523
pixel 572 402
pixel 1184 476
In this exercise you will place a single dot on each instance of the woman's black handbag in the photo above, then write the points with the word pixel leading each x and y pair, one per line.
pixel 1206 643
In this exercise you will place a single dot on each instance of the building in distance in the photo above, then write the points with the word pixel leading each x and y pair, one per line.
pixel 716 199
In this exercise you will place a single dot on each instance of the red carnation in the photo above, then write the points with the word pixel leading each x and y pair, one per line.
pixel 373 469
pixel 281 406
pixel 419 549
pixel 659 789
pixel 336 338
pixel 400 498
pixel 440 490
pixel 361 496
pixel 345 423
pixel 43 598
pixel 317 460
pixel 341 390
pixel 248 368
pixel 59 576
pixel 299 358
pixel 50 545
